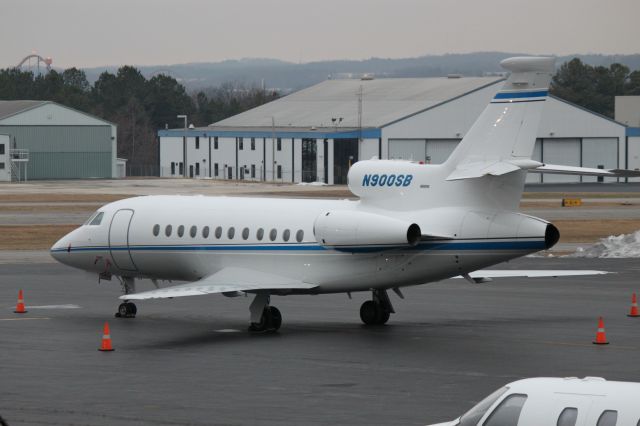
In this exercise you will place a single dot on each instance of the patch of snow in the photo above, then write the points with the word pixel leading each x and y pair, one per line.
pixel 614 246
pixel 312 184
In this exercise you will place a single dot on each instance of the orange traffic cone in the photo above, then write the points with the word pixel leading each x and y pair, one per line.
pixel 20 305
pixel 634 307
pixel 106 339
pixel 601 337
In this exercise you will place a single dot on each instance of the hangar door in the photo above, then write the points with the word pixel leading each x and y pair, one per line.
pixel 599 153
pixel 407 149
pixel 438 150
pixel 564 152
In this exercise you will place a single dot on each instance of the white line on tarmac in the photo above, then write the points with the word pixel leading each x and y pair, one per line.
pixel 227 330
pixel 54 307
pixel 23 319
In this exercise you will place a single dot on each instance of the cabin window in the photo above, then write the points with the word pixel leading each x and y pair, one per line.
pixel 260 234
pixel 508 412
pixel 205 232
pixel 473 416
pixel 180 230
pixel 156 230
pixel 273 234
pixel 568 417
pixel 219 232
pixel 193 231
pixel 245 233
pixel 286 235
pixel 231 232
pixel 608 418
pixel 299 235
pixel 167 231
pixel 97 220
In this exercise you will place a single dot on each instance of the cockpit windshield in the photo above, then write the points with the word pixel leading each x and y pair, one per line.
pixel 95 219
pixel 473 416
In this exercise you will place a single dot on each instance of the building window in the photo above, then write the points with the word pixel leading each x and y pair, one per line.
pixel 241 143
pixel 279 171
pixel 253 171
pixel 215 143
pixel 205 232
pixel 279 145
pixel 286 234
pixel 193 231
pixel 197 169
pixel 181 168
pixel 197 142
pixel 1 149
pixel 167 231
pixel 173 168
pixel 1 166
pixel 156 230
pixel 299 235
pixel 231 232
pixel 260 234
pixel 215 169
pixel 245 233
pixel 180 230
pixel 253 144
pixel 219 232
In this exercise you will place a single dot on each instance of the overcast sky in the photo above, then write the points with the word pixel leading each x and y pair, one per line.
pixel 87 33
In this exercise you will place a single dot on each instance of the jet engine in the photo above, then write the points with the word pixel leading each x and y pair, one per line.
pixel 353 228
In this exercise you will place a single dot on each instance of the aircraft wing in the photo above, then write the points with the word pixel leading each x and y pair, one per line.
pixel 499 168
pixel 486 275
pixel 229 279
pixel 584 171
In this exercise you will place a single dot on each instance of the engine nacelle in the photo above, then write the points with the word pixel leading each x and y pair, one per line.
pixel 345 228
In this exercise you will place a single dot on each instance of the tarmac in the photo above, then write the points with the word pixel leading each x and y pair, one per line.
pixel 189 361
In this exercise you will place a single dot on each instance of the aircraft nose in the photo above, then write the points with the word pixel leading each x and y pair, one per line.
pixel 61 249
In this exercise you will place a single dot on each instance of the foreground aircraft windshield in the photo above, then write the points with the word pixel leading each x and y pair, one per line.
pixel 473 416
pixel 412 224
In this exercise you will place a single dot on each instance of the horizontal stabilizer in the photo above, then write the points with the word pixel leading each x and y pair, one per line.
pixel 584 171
pixel 487 274
pixel 496 168
pixel 226 280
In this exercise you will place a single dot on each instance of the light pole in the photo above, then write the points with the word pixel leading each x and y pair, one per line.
pixel 184 146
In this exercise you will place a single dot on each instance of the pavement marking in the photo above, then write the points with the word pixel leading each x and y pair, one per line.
pixel 69 306
pixel 23 319
pixel 227 330
pixel 588 345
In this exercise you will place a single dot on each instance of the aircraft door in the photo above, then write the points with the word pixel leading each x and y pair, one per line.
pixel 119 240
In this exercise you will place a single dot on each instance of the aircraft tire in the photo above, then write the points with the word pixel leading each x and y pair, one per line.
pixel 276 318
pixel 384 315
pixel 370 313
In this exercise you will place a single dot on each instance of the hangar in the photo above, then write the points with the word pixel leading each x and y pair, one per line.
pixel 316 133
pixel 50 141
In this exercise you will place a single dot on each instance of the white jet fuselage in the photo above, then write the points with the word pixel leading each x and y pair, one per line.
pixel 191 237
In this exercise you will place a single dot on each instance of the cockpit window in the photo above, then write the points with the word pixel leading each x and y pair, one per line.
pixel 473 416
pixel 97 219
pixel 508 412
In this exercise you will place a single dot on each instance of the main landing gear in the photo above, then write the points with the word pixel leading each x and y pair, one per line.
pixel 264 318
pixel 127 309
pixel 377 310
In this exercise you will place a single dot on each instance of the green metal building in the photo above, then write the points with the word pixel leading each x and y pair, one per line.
pixel 62 143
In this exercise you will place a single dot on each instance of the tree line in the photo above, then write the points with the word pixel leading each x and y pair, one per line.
pixel 137 105
pixel 140 106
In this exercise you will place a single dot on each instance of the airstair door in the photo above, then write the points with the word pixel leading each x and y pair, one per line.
pixel 119 240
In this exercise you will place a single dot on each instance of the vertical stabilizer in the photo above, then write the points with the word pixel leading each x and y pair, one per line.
pixel 506 131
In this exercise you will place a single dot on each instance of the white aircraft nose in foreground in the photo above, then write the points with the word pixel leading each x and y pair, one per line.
pixel 591 401
pixel 414 224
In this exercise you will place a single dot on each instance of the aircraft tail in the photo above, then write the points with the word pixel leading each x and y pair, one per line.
pixel 501 141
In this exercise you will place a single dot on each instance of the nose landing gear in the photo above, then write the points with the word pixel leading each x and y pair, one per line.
pixel 127 309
